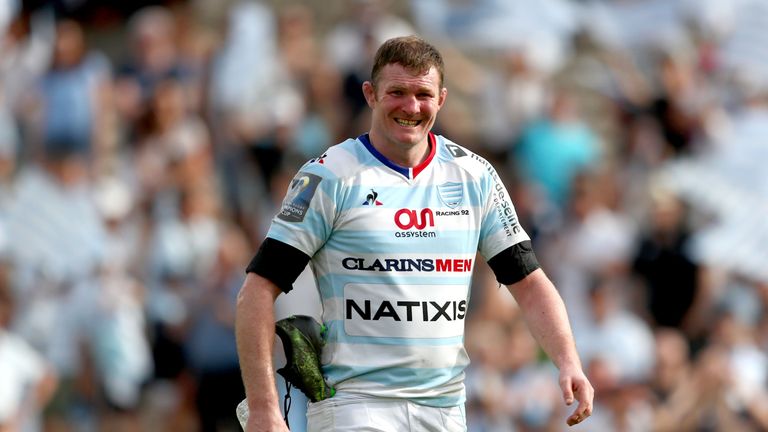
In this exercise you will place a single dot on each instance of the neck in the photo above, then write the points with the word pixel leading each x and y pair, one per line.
pixel 407 156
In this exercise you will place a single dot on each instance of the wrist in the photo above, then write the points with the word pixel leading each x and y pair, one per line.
pixel 569 364
pixel 263 404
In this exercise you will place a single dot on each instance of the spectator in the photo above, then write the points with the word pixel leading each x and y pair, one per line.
pixel 72 92
pixel 28 379
pixel 153 56
pixel 620 339
pixel 554 148
pixel 185 243
pixel 211 345
pixel 669 276
pixel 521 100
pixel 673 363
pixel 54 262
pixel 173 148
pixel 594 241
pixel 700 402
pixel 119 345
pixel 26 47
pixel 251 114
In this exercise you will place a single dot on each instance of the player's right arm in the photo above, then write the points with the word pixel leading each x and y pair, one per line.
pixel 255 332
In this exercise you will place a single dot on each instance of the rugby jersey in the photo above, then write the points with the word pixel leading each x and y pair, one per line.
pixel 393 250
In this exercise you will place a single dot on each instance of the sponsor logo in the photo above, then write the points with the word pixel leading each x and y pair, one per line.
pixel 415 234
pixel 406 310
pixel 504 210
pixel 457 265
pixel 406 219
pixel 371 199
pixel 300 193
pixel 455 150
pixel 451 194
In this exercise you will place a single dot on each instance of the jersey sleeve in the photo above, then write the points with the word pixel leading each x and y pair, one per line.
pixel 300 228
pixel 308 211
pixel 503 242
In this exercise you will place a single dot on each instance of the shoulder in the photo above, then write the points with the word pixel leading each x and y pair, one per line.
pixel 475 165
pixel 338 162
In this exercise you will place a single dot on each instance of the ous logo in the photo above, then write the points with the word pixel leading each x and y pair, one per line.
pixel 406 219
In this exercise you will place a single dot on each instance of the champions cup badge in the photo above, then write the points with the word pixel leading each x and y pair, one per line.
pixel 299 195
pixel 297 185
pixel 451 194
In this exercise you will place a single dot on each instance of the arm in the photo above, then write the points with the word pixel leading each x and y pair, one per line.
pixel 547 320
pixel 255 332
pixel 45 389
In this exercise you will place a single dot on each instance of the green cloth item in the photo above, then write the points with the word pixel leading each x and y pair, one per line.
pixel 302 338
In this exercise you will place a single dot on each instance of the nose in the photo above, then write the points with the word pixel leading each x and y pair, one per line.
pixel 410 105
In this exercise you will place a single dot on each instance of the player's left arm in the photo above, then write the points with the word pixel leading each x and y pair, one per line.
pixel 547 320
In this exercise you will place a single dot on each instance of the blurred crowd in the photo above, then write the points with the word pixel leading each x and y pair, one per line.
pixel 145 146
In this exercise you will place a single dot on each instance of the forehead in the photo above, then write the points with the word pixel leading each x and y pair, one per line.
pixel 396 74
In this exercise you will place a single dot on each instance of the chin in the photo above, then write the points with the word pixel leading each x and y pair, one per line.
pixel 412 138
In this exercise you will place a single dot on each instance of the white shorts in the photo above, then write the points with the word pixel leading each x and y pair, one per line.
pixel 363 414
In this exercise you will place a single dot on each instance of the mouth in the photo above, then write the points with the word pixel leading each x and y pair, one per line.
pixel 407 123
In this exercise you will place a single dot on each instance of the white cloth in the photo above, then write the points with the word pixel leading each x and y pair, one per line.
pixel 360 414
pixel 20 368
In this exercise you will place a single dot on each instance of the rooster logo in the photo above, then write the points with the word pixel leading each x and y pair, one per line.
pixel 320 159
pixel 371 199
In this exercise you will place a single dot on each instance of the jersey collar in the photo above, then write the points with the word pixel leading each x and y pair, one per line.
pixel 409 173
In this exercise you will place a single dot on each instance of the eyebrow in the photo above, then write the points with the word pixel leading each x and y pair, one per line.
pixel 417 89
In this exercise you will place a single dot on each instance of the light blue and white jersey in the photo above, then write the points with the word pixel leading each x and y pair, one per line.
pixel 393 251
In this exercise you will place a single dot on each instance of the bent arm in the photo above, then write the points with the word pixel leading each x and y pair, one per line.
pixel 255 333
pixel 547 320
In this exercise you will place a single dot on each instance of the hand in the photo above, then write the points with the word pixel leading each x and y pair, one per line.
pixel 576 386
pixel 269 421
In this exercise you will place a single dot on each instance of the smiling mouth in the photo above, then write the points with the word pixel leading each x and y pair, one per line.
pixel 408 123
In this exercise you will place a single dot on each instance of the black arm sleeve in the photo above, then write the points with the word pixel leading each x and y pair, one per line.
pixel 279 262
pixel 514 263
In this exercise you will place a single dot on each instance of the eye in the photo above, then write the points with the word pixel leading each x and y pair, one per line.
pixel 396 92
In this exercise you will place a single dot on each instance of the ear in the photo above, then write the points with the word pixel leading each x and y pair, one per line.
pixel 369 91
pixel 441 98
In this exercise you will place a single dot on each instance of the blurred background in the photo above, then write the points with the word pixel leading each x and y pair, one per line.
pixel 145 146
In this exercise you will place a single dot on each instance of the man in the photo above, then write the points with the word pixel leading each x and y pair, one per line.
pixel 391 222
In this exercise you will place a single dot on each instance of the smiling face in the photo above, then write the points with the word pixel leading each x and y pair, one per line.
pixel 405 104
